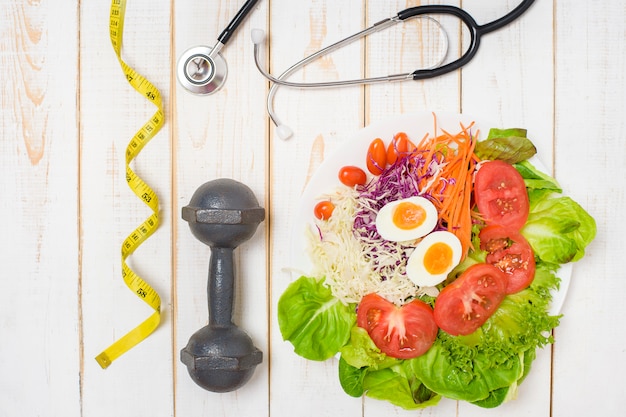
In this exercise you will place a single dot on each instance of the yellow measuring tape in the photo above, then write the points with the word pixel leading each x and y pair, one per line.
pixel 141 288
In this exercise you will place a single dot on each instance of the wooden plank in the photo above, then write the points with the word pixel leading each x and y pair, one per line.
pixel 405 47
pixel 321 120
pixel 589 364
pixel 223 135
pixel 414 44
pixel 140 382
pixel 510 82
pixel 39 310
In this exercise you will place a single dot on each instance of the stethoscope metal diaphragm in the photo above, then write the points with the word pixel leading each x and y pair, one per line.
pixel 201 72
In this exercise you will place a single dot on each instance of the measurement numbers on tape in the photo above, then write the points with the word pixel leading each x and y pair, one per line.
pixel 136 284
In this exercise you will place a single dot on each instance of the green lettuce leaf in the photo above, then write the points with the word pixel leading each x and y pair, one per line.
pixel 559 229
pixel 509 145
pixel 502 395
pixel 400 387
pixel 496 397
pixel 351 378
pixel 315 322
pixel 538 184
pixel 529 357
pixel 364 369
pixel 362 352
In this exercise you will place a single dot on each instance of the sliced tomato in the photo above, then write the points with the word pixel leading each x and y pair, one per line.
pixel 500 195
pixel 464 305
pixel 511 253
pixel 400 332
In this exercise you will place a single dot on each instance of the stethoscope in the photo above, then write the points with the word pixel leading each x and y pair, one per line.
pixel 202 70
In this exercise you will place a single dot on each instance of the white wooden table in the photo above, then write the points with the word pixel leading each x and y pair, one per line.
pixel 67 114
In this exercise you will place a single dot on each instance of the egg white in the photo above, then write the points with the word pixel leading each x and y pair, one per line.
pixel 389 231
pixel 415 269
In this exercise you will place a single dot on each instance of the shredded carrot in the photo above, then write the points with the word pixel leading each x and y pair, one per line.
pixel 452 155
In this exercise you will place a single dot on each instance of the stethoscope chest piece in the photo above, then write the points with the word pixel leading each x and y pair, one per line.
pixel 201 72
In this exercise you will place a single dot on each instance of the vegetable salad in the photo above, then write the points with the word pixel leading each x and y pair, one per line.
pixel 464 325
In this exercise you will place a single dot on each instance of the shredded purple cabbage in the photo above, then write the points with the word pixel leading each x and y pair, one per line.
pixel 398 181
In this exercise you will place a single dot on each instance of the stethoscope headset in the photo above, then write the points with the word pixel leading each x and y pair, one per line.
pixel 202 69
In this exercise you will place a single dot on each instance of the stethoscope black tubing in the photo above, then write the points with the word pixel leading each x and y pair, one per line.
pixel 234 23
pixel 475 30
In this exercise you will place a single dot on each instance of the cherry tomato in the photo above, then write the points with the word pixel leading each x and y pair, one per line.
pixel 500 195
pixel 376 157
pixel 400 332
pixel 464 305
pixel 511 253
pixel 400 146
pixel 323 210
pixel 351 176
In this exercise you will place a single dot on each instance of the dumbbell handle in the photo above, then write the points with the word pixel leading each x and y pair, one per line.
pixel 220 288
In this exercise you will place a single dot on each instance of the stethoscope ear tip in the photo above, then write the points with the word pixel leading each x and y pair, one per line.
pixel 257 36
pixel 284 132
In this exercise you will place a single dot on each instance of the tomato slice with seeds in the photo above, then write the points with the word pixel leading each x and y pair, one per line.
pixel 466 304
pixel 511 253
pixel 400 332
pixel 500 195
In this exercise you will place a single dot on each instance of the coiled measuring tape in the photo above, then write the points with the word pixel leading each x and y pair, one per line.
pixel 136 284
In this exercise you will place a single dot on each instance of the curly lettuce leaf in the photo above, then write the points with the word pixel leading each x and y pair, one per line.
pixel 486 366
pixel 315 322
pixel 522 321
pixel 464 372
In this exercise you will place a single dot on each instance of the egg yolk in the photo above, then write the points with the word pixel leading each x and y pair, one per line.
pixel 408 215
pixel 438 258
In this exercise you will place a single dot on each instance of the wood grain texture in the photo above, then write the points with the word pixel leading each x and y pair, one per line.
pixel 220 136
pixel 67 114
pixel 321 119
pixel 39 297
pixel 590 154
pixel 141 381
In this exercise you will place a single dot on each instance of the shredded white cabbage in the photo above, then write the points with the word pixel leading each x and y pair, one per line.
pixel 354 267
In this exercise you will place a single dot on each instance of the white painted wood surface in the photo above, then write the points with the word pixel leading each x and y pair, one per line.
pixel 67 114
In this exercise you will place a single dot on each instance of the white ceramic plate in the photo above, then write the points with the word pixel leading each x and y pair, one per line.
pixel 353 151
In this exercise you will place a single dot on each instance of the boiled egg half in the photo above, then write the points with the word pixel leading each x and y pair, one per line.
pixel 406 219
pixel 433 258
